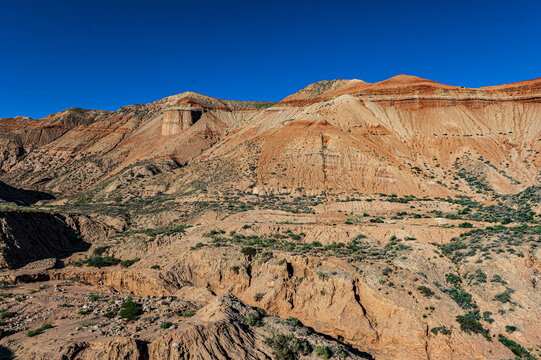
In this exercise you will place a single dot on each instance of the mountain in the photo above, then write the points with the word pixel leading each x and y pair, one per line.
pixel 391 220
pixel 405 135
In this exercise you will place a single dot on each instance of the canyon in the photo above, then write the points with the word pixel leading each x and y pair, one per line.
pixel 389 220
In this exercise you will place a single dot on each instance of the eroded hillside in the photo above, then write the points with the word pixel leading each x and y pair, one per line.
pixel 395 220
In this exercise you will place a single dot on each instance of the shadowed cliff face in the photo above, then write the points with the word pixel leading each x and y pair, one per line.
pixel 11 194
pixel 27 236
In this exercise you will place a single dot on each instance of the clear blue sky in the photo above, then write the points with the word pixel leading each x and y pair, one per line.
pixel 106 54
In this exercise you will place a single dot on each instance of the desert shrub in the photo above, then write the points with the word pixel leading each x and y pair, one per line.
pixel 516 348
pixel 487 316
pixel 469 323
pixel 84 323
pixel 32 333
pixel 453 279
pixel 293 321
pixel 426 291
pixel 480 276
pixel 324 351
pixel 505 296
pixel 248 251
pixel 99 261
pixel 441 330
pixel 130 310
pixel 128 263
pixel 166 324
pixel 465 225
pixel 253 319
pixel 5 314
pixel 510 329
pixel 100 250
pixel 462 298
pixel 498 279
pixel 288 347
pixel 323 276
pixel 187 313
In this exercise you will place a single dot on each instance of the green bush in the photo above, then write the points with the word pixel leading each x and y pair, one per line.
pixel 498 279
pixel 99 261
pixel 253 319
pixel 130 310
pixel 462 298
pixel 32 333
pixel 166 324
pixel 510 329
pixel 187 313
pixel 293 321
pixel 441 330
pixel 426 291
pixel 469 323
pixel 324 351
pixel 505 296
pixel 516 348
pixel 288 347
pixel 128 263
pixel 465 225
pixel 248 251
pixel 453 279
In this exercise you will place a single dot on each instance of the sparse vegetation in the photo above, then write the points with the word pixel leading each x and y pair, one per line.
pixel 32 333
pixel 187 313
pixel 288 347
pixel 516 348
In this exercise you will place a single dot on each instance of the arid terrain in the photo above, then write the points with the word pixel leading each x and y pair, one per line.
pixel 390 220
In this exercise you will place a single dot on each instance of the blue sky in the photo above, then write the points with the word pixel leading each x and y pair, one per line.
pixel 106 54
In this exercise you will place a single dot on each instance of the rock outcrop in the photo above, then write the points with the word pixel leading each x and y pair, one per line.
pixel 178 119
